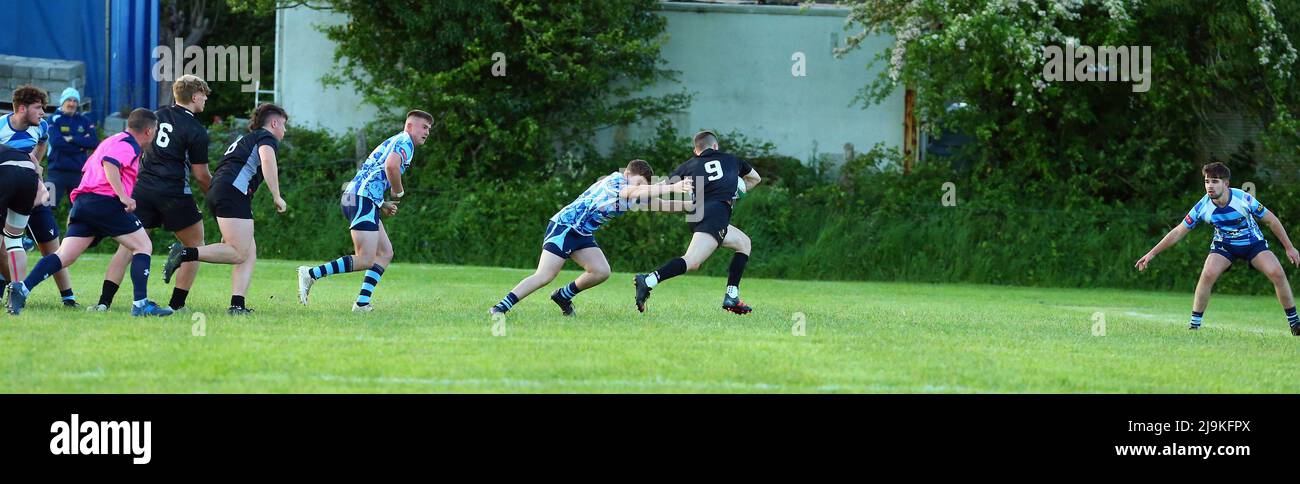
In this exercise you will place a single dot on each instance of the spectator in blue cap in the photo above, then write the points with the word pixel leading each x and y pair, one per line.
pixel 73 138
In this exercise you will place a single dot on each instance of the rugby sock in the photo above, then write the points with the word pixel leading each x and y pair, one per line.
pixel 1196 319
pixel 336 266
pixel 68 295
pixel 737 269
pixel 570 290
pixel 237 301
pixel 45 268
pixel 368 285
pixel 1291 316
pixel 189 254
pixel 178 298
pixel 669 270
pixel 140 277
pixel 507 302
pixel 106 294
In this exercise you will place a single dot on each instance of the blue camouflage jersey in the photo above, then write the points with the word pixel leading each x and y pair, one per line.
pixel 1234 224
pixel 597 205
pixel 371 180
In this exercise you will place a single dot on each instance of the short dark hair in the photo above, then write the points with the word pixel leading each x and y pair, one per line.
pixel 640 167
pixel 263 111
pixel 28 94
pixel 1216 170
pixel 420 114
pixel 141 119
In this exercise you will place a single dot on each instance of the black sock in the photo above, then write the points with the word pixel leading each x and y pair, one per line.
pixel 737 269
pixel 178 298
pixel 106 294
pixel 670 269
pixel 190 254
pixel 67 294
pixel 237 301
pixel 507 302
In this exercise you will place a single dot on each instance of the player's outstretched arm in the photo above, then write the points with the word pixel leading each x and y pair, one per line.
pixel 271 172
pixel 650 192
pixel 1275 226
pixel 393 168
pixel 1168 241
pixel 751 179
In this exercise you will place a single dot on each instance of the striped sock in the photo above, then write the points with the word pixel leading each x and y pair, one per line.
pixel 1291 316
pixel 1196 319
pixel 336 266
pixel 570 290
pixel 508 302
pixel 368 285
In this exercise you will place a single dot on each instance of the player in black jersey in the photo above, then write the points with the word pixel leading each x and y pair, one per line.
pixel 720 175
pixel 19 187
pixel 163 196
pixel 245 164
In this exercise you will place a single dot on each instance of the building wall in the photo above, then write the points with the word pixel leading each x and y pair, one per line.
pixel 303 56
pixel 735 59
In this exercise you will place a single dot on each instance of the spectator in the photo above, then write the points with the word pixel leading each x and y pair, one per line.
pixel 73 138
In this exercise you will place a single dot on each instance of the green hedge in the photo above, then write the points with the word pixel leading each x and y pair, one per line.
pixel 867 224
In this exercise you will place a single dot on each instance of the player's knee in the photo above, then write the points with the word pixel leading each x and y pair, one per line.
pixel 544 277
pixel 1276 274
pixel 600 274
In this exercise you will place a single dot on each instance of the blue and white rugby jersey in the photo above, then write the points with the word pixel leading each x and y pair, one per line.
pixel 371 180
pixel 597 205
pixel 25 140
pixel 1234 224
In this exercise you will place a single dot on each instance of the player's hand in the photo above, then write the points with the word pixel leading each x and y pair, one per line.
pixel 1141 264
pixel 1294 256
pixel 128 203
pixel 389 209
pixel 687 185
pixel 280 206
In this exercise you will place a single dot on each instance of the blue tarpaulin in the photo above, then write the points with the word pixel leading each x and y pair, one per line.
pixel 115 38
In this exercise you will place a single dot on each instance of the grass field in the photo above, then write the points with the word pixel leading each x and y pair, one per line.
pixel 431 333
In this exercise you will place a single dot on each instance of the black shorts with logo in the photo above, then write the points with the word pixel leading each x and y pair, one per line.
pixel 716 219
pixel 171 212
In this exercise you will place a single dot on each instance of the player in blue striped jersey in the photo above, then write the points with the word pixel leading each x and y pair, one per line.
pixel 569 233
pixel 1233 214
pixel 363 203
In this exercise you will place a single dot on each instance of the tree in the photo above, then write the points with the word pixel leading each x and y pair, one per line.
pixel 1077 143
pixel 511 83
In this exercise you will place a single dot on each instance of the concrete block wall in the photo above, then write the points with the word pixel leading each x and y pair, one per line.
pixel 52 75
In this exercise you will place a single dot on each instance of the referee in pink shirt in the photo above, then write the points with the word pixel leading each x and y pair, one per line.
pixel 101 207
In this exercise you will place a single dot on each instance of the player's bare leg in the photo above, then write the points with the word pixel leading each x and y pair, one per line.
pixel 14 263
pixel 1215 265
pixel 191 236
pixel 113 278
pixel 739 242
pixel 237 248
pixel 548 266
pixel 61 278
pixel 379 253
pixel 701 247
pixel 596 271
pixel 1267 263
